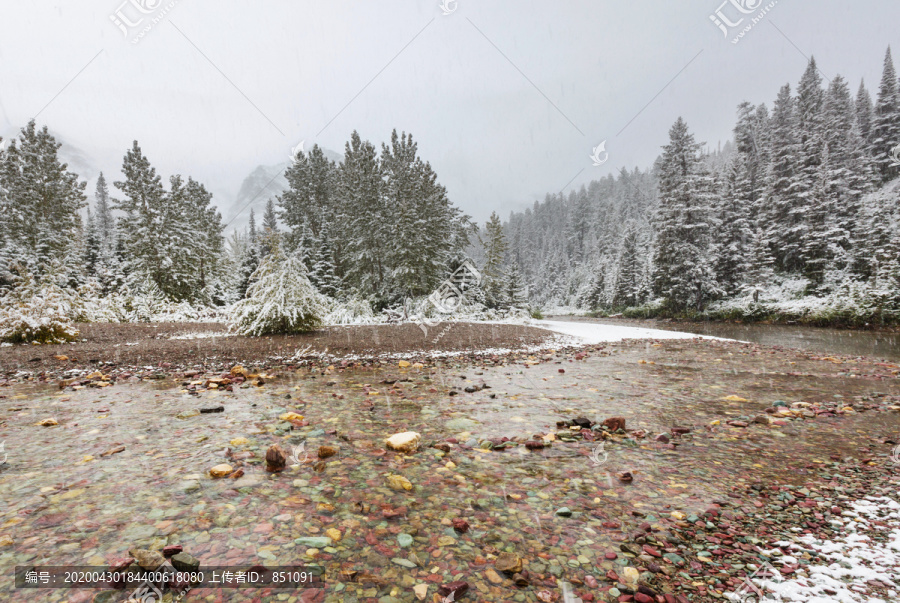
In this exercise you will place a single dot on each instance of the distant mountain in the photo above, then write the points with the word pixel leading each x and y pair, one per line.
pixel 264 183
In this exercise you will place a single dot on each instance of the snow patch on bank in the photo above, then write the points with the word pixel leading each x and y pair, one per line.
pixel 853 562
pixel 590 333
pixel 202 335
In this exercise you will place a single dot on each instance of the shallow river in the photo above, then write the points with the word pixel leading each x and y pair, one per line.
pixel 874 344
pixel 128 466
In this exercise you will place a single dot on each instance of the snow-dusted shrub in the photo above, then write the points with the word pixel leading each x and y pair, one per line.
pixel 280 299
pixel 40 311
pixel 354 311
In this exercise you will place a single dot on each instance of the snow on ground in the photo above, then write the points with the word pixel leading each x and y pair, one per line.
pixel 850 562
pixel 202 335
pixel 590 333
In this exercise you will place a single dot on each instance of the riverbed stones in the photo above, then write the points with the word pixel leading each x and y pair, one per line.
pixel 326 452
pixel 185 563
pixel 398 482
pixel 221 470
pixel 276 459
pixel 508 563
pixel 407 441
pixel 614 423
pixel 458 588
pixel 314 542
pixel 148 560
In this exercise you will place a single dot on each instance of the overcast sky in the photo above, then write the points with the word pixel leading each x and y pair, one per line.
pixel 506 99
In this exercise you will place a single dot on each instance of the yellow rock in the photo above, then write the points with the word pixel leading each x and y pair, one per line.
pixel 240 442
pixel 312 553
pixel 48 423
pixel 6 540
pixel 678 515
pixel 61 357
pixel 239 371
pixel 450 465
pixel 418 365
pixel 221 470
pixel 408 441
pixel 95 375
pixel 630 575
pixel 404 364
pixel 334 534
pixel 716 422
pixel 398 482
pixel 733 398
pixel 421 591
pixel 291 416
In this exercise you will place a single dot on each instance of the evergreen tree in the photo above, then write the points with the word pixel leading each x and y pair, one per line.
pixel 629 270
pixel 516 291
pixel 785 214
pixel 683 275
pixel 91 244
pixel 142 224
pixel 280 299
pixel 732 235
pixel 323 270
pixel 311 197
pixel 886 122
pixel 40 203
pixel 108 268
pixel 494 282
pixel 250 259
pixel 270 221
pixel 368 224
pixel 864 114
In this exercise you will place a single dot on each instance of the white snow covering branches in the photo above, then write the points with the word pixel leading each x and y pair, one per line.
pixel 280 299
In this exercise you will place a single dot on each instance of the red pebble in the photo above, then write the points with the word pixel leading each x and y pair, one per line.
pixel 172 549
pixel 460 525
pixel 562 370
pixel 611 556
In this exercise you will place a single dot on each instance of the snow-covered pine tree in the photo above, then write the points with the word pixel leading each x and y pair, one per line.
pixel 270 220
pixel 683 274
pixel 732 235
pixel 428 231
pixel 250 257
pixel 206 243
pixel 280 299
pixel 629 269
pixel 809 178
pixel 847 173
pixel 865 114
pixel 41 205
pixel 784 214
pixel 368 228
pixel 516 291
pixel 142 226
pixel 108 269
pixel 494 283
pixel 886 121
pixel 322 273
pixel 91 245
pixel 311 197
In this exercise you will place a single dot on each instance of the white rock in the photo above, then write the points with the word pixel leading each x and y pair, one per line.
pixel 407 441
